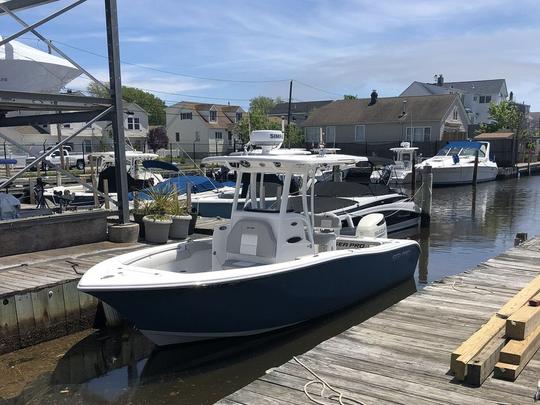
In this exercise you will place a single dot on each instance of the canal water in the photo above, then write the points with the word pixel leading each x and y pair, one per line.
pixel 120 366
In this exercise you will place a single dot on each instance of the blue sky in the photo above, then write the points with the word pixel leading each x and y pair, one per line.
pixel 336 47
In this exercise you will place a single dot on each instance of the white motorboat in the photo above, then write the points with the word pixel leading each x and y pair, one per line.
pixel 267 268
pixel 400 171
pixel 454 163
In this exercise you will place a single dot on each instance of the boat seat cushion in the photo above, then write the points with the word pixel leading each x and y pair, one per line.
pixel 250 237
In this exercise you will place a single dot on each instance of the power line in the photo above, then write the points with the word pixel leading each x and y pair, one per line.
pixel 318 88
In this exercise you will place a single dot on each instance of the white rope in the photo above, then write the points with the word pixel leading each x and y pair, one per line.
pixel 337 396
pixel 411 198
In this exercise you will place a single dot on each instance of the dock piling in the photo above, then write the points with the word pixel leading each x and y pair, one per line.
pixel 427 186
pixel 475 170
pixel 106 192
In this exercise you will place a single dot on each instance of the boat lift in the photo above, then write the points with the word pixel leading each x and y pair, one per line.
pixel 70 108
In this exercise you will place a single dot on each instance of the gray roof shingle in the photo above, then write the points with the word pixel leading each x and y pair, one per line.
pixel 485 87
pixel 385 110
pixel 300 107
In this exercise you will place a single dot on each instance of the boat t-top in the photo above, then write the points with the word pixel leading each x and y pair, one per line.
pixel 454 163
pixel 401 171
pixel 267 268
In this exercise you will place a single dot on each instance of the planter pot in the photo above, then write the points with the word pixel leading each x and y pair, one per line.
pixel 156 230
pixel 192 223
pixel 180 226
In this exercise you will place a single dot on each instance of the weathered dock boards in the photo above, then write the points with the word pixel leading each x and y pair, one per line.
pixel 401 354
pixel 39 299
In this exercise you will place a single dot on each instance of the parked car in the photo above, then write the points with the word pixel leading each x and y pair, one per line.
pixel 71 160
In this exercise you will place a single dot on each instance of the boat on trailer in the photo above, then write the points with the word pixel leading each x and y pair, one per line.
pixel 267 268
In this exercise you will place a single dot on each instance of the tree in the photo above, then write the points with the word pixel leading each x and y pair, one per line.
pixel 505 115
pixel 253 121
pixel 157 138
pixel 263 104
pixel 295 137
pixel 154 106
pixel 350 97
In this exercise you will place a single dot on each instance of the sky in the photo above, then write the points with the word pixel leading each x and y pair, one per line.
pixel 231 50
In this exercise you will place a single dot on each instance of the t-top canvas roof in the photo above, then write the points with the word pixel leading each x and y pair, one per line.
pixel 280 164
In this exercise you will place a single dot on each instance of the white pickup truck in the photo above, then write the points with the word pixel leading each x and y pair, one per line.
pixel 70 159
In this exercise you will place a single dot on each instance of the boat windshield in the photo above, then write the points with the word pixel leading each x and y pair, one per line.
pixel 464 152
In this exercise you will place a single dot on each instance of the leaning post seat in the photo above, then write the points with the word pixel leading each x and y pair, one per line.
pixel 326 228
pixel 250 238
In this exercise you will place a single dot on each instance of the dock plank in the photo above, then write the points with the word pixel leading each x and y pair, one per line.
pixel 401 354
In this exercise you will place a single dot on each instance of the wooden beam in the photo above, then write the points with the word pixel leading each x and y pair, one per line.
pixel 505 371
pixel 520 324
pixel 472 346
pixel 520 299
pixel 481 366
pixel 520 351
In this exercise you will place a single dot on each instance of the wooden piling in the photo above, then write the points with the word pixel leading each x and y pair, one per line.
pixel 31 191
pixel 427 186
pixel 106 192
pixel 475 170
pixel 413 176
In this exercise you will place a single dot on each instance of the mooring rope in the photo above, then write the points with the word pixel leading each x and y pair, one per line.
pixel 337 395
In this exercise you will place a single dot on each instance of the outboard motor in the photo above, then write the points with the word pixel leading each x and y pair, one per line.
pixel 372 226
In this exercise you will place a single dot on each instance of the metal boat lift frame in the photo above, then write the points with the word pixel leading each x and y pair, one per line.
pixel 71 108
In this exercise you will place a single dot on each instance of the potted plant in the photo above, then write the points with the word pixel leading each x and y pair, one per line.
pixel 180 218
pixel 157 221
pixel 157 227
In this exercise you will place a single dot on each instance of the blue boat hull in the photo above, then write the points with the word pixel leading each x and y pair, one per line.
pixel 253 306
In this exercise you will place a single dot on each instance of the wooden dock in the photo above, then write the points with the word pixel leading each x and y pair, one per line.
pixel 402 354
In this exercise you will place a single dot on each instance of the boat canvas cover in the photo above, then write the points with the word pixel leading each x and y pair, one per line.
pixel 463 144
pixel 198 185
pixel 159 164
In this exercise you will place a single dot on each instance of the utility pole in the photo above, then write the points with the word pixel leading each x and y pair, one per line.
pixel 289 114
pixel 59 137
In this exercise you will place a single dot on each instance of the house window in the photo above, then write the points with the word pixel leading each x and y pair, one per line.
pixel 485 99
pixel 455 114
pixel 134 123
pixel 177 137
pixel 87 146
pixel 67 125
pixel 218 135
pixel 330 137
pixel 238 116
pixel 230 136
pixel 360 133
pixel 197 136
pixel 213 116
pixel 186 116
pixel 418 134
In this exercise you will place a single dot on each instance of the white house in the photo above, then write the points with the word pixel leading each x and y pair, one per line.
pixel 202 129
pixel 476 95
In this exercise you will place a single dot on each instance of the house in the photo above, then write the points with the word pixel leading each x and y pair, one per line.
pixel 372 126
pixel 97 137
pixel 203 129
pixel 476 95
pixel 534 123
pixel 299 111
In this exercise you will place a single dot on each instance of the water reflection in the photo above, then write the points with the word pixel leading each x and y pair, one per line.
pixel 470 225
pixel 124 367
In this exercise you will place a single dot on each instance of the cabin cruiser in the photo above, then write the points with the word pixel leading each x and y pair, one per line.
pixel 454 163
pixel 269 267
pixel 400 171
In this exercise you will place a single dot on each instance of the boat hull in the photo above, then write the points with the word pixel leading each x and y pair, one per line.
pixel 257 305
pixel 450 175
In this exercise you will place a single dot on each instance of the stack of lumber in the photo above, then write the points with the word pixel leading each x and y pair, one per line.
pixel 505 344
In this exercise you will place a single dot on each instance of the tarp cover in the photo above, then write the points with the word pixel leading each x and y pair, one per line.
pixel 10 207
pixel 198 185
pixel 159 164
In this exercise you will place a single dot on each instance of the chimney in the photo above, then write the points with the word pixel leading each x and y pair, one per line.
pixel 373 96
pixel 440 80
